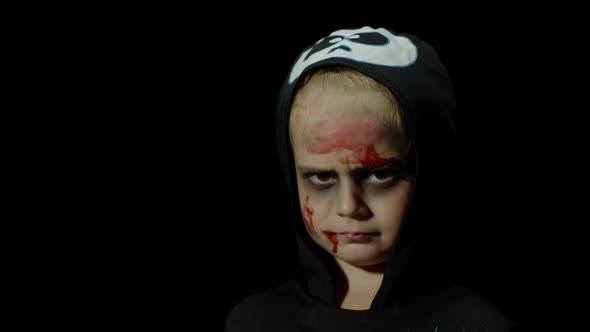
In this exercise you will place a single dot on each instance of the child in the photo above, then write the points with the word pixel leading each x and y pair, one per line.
pixel 365 137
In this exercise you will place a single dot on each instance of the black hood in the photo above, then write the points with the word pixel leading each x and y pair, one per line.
pixel 413 72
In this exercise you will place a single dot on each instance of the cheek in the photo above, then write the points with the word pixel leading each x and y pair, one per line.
pixel 389 210
pixel 315 209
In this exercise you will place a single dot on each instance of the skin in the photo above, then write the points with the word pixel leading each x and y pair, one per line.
pixel 351 197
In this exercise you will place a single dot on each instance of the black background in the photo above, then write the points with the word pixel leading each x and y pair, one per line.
pixel 205 220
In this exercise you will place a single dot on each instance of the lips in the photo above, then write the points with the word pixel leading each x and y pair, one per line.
pixel 352 236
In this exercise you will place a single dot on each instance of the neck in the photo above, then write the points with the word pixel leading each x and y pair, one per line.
pixel 357 285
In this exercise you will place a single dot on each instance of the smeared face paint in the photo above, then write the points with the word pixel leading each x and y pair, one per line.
pixel 333 237
pixel 356 135
pixel 308 217
pixel 352 193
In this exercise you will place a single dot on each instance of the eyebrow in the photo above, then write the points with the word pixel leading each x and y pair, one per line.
pixel 313 170
pixel 307 170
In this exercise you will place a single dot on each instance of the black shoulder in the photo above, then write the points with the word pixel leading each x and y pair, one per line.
pixel 263 311
pixel 476 311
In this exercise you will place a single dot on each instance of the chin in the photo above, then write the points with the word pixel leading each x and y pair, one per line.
pixel 361 258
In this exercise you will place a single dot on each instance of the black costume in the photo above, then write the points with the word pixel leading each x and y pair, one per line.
pixel 412 296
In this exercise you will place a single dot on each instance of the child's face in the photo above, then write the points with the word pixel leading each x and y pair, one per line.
pixel 347 163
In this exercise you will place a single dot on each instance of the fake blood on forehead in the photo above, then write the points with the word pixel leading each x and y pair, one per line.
pixel 356 135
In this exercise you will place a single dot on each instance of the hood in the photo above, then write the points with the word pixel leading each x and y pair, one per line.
pixel 411 69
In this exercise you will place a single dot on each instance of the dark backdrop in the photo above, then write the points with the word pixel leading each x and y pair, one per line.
pixel 211 227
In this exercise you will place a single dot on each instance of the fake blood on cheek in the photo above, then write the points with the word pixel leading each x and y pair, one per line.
pixel 309 225
pixel 308 216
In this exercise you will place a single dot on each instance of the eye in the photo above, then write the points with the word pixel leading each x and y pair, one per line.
pixel 380 177
pixel 323 179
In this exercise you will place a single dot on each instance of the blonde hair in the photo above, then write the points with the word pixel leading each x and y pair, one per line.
pixel 353 80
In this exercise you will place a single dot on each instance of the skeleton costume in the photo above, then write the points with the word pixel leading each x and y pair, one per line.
pixel 412 296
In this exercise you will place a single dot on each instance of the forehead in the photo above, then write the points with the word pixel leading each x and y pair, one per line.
pixel 334 109
pixel 345 139
pixel 352 128
pixel 348 128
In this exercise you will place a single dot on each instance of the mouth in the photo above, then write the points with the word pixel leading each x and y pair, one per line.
pixel 352 236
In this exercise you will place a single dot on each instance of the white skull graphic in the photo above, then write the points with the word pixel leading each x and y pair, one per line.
pixel 373 46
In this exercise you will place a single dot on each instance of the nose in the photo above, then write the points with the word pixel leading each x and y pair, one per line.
pixel 350 202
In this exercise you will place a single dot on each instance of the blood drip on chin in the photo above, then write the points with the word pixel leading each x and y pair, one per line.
pixel 333 237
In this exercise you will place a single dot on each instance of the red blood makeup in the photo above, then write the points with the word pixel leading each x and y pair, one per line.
pixel 333 237
pixel 353 134
pixel 308 216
